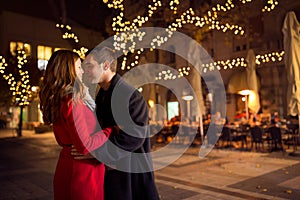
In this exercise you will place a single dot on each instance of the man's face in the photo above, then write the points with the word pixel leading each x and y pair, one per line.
pixel 93 71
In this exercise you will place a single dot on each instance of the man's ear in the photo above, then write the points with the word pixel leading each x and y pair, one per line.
pixel 106 65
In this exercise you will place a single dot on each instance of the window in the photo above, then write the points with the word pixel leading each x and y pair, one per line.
pixel 15 46
pixel 244 47
pixel 43 55
pixel 173 109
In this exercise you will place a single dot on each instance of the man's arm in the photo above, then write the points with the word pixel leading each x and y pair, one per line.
pixel 80 156
pixel 129 138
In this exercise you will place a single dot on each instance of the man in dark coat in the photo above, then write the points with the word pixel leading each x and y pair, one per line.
pixel 129 171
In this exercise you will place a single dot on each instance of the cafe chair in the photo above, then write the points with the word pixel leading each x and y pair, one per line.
pixel 257 137
pixel 226 136
pixel 276 138
pixel 293 135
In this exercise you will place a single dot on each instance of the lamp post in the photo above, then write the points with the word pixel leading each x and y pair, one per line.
pixel 35 105
pixel 245 93
pixel 188 99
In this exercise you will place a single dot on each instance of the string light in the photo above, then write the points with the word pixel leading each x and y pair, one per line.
pixel 68 34
pixel 20 89
pixel 116 4
pixel 241 62
pixel 223 65
pixel 271 4
pixel 173 6
pixel 81 52
pixel 168 75
pixel 269 57
pixel 127 32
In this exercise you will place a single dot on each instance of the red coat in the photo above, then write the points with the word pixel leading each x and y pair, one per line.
pixel 78 179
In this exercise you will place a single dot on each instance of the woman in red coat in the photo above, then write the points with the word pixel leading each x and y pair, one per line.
pixel 67 105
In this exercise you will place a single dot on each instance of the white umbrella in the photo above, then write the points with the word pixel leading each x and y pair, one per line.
pixel 253 102
pixel 291 28
pixel 291 32
pixel 194 54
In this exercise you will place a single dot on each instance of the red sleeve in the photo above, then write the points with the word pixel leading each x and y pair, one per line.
pixel 81 124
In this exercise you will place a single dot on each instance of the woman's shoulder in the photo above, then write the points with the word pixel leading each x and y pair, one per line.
pixel 69 101
pixel 69 105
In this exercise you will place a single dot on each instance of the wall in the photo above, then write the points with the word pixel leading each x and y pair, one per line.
pixel 17 27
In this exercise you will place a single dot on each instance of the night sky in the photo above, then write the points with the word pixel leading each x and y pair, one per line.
pixel 88 13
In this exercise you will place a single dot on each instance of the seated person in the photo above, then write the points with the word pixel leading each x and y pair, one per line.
pixel 274 118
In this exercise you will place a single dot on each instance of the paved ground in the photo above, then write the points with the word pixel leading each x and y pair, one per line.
pixel 27 165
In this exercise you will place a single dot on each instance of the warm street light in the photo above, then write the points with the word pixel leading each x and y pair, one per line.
pixel 245 93
pixel 188 99
pixel 151 103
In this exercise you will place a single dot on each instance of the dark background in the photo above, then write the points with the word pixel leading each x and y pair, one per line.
pixel 88 13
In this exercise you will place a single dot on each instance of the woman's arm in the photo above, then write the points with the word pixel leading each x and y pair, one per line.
pixel 79 120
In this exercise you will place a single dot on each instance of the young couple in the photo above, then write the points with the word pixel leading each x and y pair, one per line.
pixel 115 172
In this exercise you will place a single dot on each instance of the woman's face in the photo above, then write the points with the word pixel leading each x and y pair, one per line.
pixel 78 69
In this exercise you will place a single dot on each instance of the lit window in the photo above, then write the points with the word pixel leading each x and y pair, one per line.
pixel 173 109
pixel 15 46
pixel 43 55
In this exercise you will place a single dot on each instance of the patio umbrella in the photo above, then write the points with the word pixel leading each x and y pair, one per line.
pixel 239 82
pixel 291 32
pixel 291 43
pixel 194 55
pixel 253 102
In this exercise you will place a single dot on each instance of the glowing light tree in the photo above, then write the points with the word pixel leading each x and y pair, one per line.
pixel 195 18
pixel 18 82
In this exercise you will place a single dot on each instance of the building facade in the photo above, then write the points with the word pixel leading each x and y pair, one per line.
pixel 39 38
pixel 266 38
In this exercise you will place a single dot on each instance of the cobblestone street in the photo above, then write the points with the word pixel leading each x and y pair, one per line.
pixel 28 163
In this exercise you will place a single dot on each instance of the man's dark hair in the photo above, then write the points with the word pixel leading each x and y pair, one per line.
pixel 102 54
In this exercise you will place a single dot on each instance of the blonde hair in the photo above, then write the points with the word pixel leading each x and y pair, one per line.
pixel 60 80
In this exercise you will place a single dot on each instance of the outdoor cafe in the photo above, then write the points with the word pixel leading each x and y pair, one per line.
pixel 248 131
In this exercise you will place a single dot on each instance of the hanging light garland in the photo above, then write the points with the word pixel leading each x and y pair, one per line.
pixel 3 65
pixel 173 5
pixel 20 89
pixel 69 35
pixel 168 75
pixel 130 34
pixel 269 57
pixel 271 4
pixel 116 4
pixel 81 52
pixel 223 64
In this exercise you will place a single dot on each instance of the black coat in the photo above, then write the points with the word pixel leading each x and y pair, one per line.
pixel 129 172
